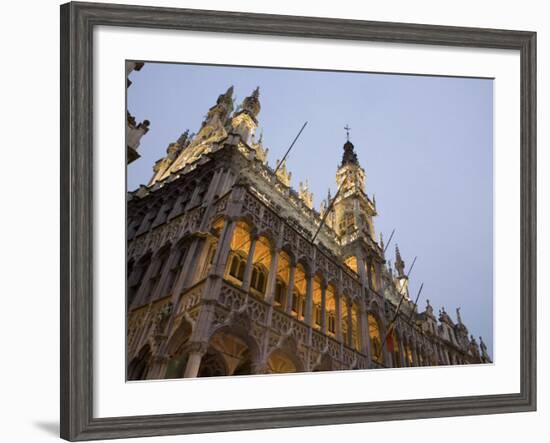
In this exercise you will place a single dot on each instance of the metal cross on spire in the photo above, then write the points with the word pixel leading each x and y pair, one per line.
pixel 347 128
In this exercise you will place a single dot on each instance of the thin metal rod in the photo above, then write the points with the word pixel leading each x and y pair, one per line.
pixel 411 268
pixel 389 241
pixel 390 326
pixel 288 150
pixel 415 302
pixel 329 209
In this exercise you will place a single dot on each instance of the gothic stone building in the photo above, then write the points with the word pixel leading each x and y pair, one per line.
pixel 231 271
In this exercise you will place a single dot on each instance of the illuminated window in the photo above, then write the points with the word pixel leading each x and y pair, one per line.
pixel 356 342
pixel 238 265
pixel 295 302
pixel 258 280
pixel 332 323
pixel 330 306
pixel 351 262
pixel 318 314
pixel 280 291
pixel 375 340
pixel 408 354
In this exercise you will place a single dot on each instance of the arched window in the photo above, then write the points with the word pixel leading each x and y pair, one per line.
pixel 238 265
pixel 375 339
pixel 330 306
pixel 162 215
pixel 148 219
pixel 240 246
pixel 299 293
pixel 345 321
pixel 209 259
pixel 355 339
pixel 373 276
pixel 135 278
pixel 283 279
pixel 280 291
pixel 175 268
pixel 258 280
pixel 317 302
pixel 261 265
pixel 408 354
pixel 156 274
pixel 295 303
pixel 393 348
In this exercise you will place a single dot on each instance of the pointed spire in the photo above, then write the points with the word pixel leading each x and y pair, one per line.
pixel 399 263
pixel 282 173
pixel 305 194
pixel 229 92
pixel 429 309
pixel 349 157
pixel 251 104
pixel 183 138
pixel 458 317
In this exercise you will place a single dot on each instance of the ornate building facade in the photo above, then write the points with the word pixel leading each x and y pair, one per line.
pixel 231 271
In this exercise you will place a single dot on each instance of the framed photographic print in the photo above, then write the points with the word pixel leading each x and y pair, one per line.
pixel 273 221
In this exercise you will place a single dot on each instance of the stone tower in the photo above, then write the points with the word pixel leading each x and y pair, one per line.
pixel 353 220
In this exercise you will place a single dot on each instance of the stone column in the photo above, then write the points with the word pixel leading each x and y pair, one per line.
pixel 194 360
pixel 309 301
pixel 249 263
pixel 364 340
pixel 139 298
pixel 224 246
pixel 416 355
pixel 402 356
pixel 288 301
pixel 165 272
pixel 386 356
pixel 338 299
pixel 369 273
pixel 193 365
pixel 350 324
pixel 324 308
pixel 213 185
pixel 361 268
pixel 272 278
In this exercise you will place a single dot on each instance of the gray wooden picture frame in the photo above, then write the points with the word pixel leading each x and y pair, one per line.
pixel 77 23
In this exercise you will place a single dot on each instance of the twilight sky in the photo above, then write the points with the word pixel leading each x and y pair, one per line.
pixel 426 144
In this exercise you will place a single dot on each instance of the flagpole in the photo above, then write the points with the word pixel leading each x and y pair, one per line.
pixel 288 150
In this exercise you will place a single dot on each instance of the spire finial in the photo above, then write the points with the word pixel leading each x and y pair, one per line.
pixel 399 263
pixel 347 128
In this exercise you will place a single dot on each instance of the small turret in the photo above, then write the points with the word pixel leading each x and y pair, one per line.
pixel 218 114
pixel 244 121
pixel 305 194
pixel 402 280
pixel 283 174
pixel 399 263
pixel 251 104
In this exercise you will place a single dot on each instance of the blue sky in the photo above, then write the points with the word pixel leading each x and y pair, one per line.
pixel 426 144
